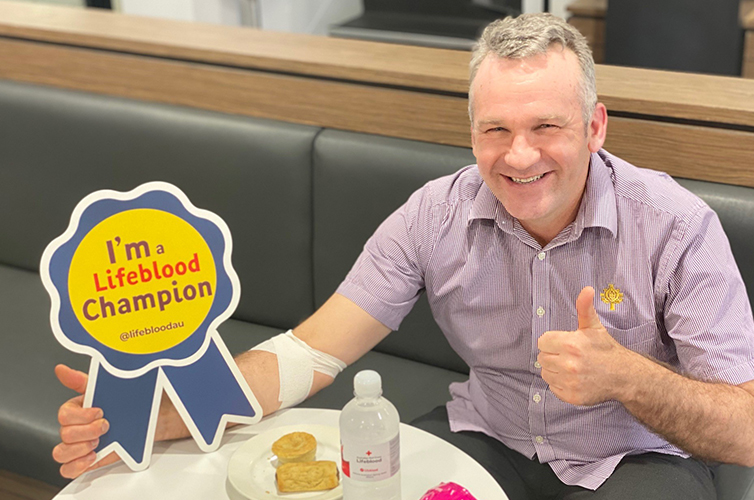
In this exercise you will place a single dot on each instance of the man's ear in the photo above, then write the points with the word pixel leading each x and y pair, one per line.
pixel 473 139
pixel 597 128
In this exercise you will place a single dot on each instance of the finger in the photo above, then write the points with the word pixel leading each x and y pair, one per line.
pixel 71 434
pixel 64 453
pixel 585 309
pixel 548 362
pixel 73 379
pixel 550 341
pixel 72 413
pixel 84 464
pixel 552 379
pixel 77 467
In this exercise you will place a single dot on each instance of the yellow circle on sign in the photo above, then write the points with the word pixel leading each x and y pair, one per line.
pixel 142 281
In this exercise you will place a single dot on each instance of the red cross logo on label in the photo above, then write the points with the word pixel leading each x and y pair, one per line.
pixel 369 453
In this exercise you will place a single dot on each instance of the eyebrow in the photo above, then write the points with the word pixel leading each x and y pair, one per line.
pixel 549 118
pixel 539 119
pixel 487 123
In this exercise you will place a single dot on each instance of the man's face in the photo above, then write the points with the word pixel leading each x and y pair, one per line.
pixel 530 140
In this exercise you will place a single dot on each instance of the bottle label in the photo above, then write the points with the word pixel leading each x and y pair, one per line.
pixel 371 463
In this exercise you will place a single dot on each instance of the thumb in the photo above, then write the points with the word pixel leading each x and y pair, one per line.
pixel 73 379
pixel 585 309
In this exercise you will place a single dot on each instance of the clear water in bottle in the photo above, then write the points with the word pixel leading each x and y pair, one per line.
pixel 370 443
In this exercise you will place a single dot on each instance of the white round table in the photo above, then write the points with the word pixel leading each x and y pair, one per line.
pixel 180 470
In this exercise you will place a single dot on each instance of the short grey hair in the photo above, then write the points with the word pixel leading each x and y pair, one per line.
pixel 529 35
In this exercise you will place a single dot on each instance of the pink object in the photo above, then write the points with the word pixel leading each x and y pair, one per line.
pixel 448 491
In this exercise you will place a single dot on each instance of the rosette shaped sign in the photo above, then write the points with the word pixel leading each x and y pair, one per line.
pixel 140 281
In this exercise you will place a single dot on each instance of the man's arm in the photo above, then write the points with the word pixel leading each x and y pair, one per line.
pixel 713 421
pixel 339 328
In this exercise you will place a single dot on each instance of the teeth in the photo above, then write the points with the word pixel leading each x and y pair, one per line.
pixel 526 181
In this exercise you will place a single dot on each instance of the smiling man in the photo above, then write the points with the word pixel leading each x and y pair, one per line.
pixel 532 138
pixel 629 393
pixel 571 395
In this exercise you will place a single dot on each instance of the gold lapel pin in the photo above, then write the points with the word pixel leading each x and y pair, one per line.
pixel 612 296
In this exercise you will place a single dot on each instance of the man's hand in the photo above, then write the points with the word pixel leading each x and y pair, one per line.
pixel 80 428
pixel 583 367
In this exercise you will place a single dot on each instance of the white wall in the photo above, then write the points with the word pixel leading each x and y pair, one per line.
pixel 72 3
pixel 205 11
pixel 558 7
pixel 298 16
pixel 306 16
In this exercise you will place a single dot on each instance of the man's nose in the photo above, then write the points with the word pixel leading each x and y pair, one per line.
pixel 522 154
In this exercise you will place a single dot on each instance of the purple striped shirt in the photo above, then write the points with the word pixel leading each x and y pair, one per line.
pixel 494 291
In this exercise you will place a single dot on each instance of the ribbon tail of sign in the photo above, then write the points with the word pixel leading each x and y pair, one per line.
pixel 130 406
pixel 211 392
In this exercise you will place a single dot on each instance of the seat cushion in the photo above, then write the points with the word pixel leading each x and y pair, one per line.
pixel 29 390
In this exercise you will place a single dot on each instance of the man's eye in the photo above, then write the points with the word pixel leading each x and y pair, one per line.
pixel 496 129
pixel 547 125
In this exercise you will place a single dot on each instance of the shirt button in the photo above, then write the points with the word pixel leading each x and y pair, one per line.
pixel 537 365
pixel 537 398
pixel 540 311
pixel 539 439
pixel 541 256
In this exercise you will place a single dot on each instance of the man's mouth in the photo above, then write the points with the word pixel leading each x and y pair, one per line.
pixel 527 180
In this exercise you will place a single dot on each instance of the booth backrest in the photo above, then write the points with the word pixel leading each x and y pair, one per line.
pixel 359 180
pixel 58 146
pixel 300 201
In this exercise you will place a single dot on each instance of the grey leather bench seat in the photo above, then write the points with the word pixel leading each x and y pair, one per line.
pixel 58 146
pixel 300 202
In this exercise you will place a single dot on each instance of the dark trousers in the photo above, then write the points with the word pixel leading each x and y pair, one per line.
pixel 644 477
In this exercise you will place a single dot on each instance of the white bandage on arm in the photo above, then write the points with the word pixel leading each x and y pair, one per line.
pixel 297 362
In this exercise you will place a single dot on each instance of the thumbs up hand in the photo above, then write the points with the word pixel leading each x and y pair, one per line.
pixel 587 366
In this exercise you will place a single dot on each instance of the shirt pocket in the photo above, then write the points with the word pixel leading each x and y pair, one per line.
pixel 643 339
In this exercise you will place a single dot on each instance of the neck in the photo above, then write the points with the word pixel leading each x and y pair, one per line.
pixel 546 231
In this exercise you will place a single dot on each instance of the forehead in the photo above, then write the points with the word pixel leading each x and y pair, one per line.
pixel 545 80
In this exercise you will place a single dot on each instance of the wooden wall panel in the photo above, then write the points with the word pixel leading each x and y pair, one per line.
pixel 689 151
pixel 629 90
pixel 747 70
pixel 347 106
pixel 684 150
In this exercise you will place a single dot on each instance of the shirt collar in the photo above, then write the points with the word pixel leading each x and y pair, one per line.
pixel 597 207
pixel 487 206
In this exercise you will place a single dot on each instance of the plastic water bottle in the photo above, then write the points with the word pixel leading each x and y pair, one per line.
pixel 370 442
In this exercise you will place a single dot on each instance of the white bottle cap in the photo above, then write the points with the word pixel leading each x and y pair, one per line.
pixel 367 384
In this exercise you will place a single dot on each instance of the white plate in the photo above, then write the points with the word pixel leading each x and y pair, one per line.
pixel 251 470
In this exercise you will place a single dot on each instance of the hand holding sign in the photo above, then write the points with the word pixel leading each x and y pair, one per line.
pixel 140 281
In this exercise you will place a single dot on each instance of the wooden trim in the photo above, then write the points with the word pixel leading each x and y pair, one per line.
pixel 684 150
pixel 747 70
pixel 677 95
pixel 725 100
pixel 747 14
pixel 688 151
pixel 310 101
pixel 391 64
